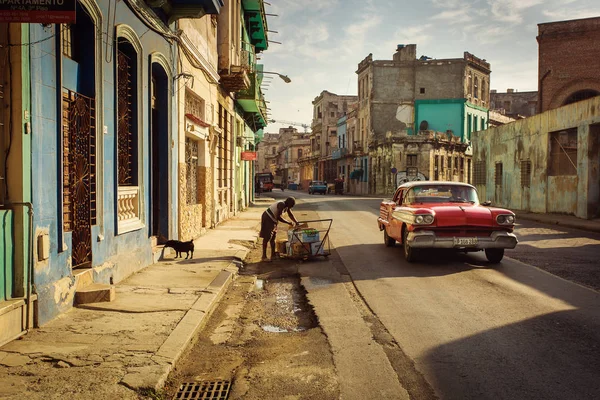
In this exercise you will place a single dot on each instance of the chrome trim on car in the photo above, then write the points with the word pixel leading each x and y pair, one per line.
pixel 428 239
pixel 505 219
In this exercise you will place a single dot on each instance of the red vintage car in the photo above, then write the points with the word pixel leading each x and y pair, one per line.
pixel 445 215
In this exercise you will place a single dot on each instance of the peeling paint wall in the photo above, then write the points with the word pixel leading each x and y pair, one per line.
pixel 128 251
pixel 528 140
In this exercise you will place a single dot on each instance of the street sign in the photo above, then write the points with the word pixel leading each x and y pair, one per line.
pixel 248 155
pixel 394 170
pixel 38 11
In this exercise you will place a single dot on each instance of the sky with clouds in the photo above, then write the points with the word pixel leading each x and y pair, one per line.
pixel 322 42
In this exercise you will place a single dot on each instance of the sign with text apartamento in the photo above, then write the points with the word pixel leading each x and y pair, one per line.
pixel 248 155
pixel 38 11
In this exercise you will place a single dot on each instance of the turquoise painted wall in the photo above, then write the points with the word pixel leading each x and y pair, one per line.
pixel 441 116
pixel 6 254
pixel 475 119
pixel 457 115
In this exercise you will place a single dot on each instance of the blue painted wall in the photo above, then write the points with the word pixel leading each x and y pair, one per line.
pixel 124 253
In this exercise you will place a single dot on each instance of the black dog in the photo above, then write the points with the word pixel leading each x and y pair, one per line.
pixel 181 247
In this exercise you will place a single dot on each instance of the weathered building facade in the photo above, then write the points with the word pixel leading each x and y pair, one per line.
pixel 548 163
pixel 327 109
pixel 406 96
pixel 568 62
pixel 126 129
pixel 514 104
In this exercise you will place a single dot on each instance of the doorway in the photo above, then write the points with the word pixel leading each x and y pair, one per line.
pixel 159 130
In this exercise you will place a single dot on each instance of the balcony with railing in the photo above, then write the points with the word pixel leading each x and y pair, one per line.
pixel 237 77
pixel 252 101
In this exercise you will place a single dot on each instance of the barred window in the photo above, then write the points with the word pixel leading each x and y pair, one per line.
pixel 563 152
pixel 479 173
pixel 525 173
pixel 191 165
pixel 127 114
pixel 498 174
pixel 194 105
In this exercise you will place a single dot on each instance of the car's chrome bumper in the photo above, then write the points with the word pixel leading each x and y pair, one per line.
pixel 428 239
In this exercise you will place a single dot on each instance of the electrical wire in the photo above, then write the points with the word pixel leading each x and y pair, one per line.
pixel 30 43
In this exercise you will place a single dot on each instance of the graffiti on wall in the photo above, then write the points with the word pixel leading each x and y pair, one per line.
pixel 411 174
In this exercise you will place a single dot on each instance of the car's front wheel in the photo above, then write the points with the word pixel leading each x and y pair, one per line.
pixel 389 242
pixel 494 255
pixel 409 253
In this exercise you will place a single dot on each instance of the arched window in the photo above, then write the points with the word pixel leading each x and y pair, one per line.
pixel 127 113
pixel 299 153
pixel 476 88
pixel 581 95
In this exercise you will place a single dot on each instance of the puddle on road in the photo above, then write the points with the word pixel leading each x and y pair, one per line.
pixel 286 307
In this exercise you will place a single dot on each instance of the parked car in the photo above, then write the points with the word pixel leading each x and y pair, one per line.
pixel 445 215
pixel 317 187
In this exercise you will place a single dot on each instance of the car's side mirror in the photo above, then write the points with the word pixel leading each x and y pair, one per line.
pixel 486 203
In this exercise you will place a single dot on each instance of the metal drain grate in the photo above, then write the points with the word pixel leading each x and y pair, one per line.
pixel 204 390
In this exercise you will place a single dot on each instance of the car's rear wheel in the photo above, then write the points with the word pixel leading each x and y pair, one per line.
pixel 494 255
pixel 389 242
pixel 409 253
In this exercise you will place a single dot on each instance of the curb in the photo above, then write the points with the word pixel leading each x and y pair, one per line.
pixel 584 225
pixel 181 337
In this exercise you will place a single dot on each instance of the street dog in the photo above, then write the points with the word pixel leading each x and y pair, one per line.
pixel 181 247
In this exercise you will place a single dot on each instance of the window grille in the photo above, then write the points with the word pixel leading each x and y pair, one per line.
pixel 498 174
pixel 479 173
pixel 126 138
pixel 563 152
pixel 525 173
pixel 194 105
pixel 191 164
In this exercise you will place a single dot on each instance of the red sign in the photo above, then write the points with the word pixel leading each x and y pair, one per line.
pixel 38 11
pixel 248 155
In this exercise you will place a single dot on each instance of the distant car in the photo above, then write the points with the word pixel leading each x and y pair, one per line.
pixel 445 215
pixel 317 187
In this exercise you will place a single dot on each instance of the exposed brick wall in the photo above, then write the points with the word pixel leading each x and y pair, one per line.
pixel 568 60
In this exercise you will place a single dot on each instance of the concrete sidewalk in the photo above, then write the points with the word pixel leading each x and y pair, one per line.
pixel 101 350
pixel 570 221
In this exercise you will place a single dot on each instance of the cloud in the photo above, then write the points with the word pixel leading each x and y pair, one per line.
pixel 357 34
pixel 292 6
pixel 566 13
pixel 453 16
pixel 511 10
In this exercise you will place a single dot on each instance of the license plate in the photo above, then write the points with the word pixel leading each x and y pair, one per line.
pixel 465 241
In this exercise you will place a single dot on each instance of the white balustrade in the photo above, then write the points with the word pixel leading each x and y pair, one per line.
pixel 128 208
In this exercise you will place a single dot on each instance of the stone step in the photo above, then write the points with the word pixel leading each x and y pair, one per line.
pixel 83 278
pixel 95 293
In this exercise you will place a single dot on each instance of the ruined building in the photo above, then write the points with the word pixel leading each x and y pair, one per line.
pixel 514 104
pixel 419 114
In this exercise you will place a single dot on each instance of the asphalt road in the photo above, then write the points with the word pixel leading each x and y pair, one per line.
pixel 475 330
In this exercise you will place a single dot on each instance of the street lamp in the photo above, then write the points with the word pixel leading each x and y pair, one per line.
pixel 285 78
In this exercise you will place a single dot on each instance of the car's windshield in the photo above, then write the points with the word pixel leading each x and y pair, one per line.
pixel 441 194
pixel 317 183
